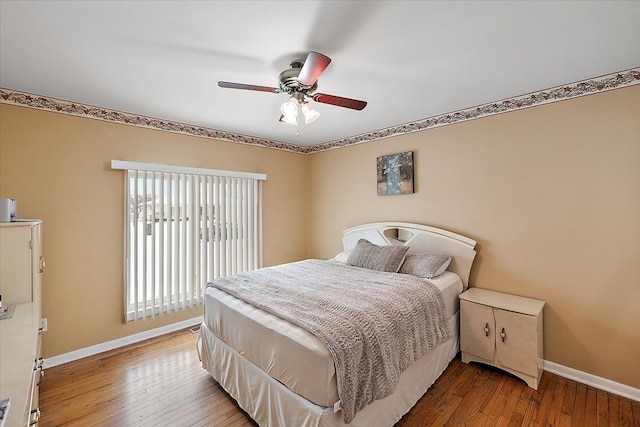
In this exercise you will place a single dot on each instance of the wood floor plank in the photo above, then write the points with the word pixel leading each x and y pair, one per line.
pixel 160 382
pixel 524 400
pixel 448 400
pixel 557 403
pixel 568 404
pixel 470 403
pixel 602 402
pixel 590 408
pixel 626 413
pixel 512 400
pixel 636 412
pixel 440 388
pixel 577 418
pixel 495 403
pixel 614 407
pixel 483 389
pixel 540 399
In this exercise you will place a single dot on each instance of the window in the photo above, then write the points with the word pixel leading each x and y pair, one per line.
pixel 185 227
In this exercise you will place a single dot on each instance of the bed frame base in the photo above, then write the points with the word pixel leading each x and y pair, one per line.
pixel 271 404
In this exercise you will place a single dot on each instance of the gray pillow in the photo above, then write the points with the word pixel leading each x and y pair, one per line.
pixel 425 265
pixel 374 257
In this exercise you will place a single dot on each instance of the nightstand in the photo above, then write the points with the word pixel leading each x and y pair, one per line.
pixel 504 331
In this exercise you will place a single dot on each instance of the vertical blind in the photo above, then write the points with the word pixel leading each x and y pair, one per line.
pixel 185 227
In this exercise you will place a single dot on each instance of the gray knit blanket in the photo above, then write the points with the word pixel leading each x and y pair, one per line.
pixel 374 324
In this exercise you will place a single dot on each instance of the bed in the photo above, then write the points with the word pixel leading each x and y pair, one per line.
pixel 284 375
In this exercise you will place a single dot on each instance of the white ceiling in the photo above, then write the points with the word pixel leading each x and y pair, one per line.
pixel 409 59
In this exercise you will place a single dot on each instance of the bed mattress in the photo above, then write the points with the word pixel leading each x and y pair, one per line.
pixel 288 353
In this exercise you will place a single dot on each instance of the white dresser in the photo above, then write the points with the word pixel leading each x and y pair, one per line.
pixel 504 331
pixel 21 268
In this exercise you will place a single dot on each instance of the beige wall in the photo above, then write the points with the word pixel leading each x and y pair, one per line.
pixel 551 194
pixel 57 167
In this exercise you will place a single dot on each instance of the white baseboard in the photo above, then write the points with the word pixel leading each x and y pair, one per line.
pixel 592 380
pixel 554 368
pixel 120 342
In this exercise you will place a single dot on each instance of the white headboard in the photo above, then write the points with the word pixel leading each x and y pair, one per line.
pixel 419 238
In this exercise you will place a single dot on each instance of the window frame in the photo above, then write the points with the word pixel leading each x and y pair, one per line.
pixel 231 189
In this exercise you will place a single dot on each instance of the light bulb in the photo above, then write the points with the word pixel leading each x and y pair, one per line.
pixel 310 114
pixel 290 108
pixel 292 120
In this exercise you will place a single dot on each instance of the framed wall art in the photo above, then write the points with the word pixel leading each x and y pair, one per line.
pixel 395 173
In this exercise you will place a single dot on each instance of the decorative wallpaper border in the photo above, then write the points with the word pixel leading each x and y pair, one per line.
pixel 560 93
pixel 8 96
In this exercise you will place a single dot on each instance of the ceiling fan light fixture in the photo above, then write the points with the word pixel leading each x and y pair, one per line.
pixel 292 120
pixel 290 108
pixel 310 114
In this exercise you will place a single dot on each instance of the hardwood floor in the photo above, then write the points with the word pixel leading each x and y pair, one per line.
pixel 160 382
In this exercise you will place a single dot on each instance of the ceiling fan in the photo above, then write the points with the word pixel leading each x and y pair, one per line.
pixel 300 82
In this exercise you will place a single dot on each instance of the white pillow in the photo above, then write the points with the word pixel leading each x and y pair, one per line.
pixel 342 257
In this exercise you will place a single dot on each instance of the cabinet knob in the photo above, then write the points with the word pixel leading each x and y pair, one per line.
pixel 503 335
pixel 34 416
pixel 486 329
pixel 38 363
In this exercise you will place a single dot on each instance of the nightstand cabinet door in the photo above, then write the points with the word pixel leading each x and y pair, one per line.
pixel 477 329
pixel 516 341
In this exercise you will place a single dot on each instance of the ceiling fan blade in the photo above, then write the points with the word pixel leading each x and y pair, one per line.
pixel 336 24
pixel 313 66
pixel 231 85
pixel 354 104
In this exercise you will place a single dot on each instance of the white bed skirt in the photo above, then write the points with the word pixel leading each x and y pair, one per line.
pixel 271 404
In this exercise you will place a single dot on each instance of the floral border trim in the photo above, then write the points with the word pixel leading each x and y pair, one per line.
pixel 560 93
pixel 8 96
